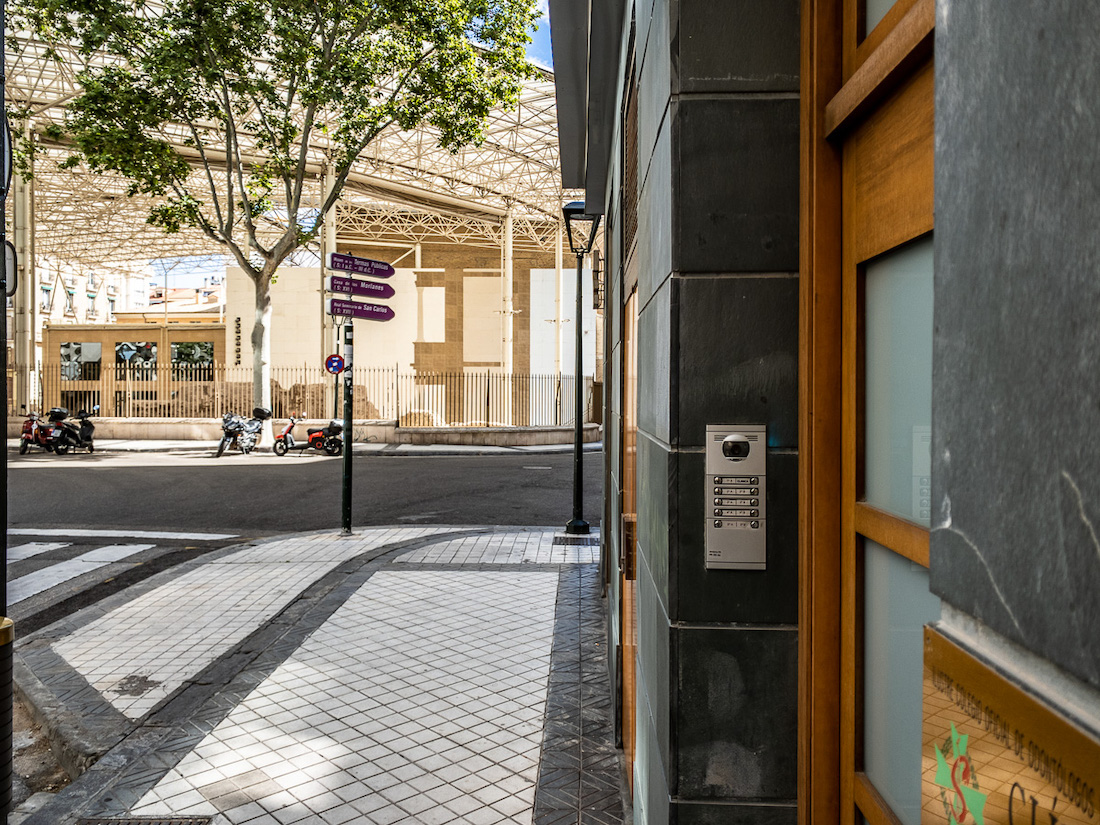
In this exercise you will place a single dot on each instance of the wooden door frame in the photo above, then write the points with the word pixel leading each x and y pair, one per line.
pixel 842 79
pixel 820 326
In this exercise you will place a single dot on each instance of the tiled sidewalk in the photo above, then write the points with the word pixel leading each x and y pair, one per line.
pixel 458 678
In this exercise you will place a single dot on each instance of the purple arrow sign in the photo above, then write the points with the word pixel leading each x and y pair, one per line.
pixel 353 286
pixel 352 309
pixel 360 266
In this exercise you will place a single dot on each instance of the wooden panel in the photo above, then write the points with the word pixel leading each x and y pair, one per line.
pixel 859 44
pixel 819 424
pixel 871 804
pixel 850 594
pixel 888 165
pixel 902 536
pixel 907 45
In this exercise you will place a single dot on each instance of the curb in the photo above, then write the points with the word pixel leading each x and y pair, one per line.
pixel 371 449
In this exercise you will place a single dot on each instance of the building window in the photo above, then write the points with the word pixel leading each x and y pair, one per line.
pixel 81 361
pixel 193 360
pixel 46 299
pixel 136 360
pixel 69 308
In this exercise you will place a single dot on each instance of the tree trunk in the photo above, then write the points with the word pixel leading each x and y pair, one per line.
pixel 261 353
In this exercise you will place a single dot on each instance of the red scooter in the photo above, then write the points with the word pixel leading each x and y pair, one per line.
pixel 327 439
pixel 37 433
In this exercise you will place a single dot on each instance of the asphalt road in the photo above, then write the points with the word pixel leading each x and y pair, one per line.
pixel 262 494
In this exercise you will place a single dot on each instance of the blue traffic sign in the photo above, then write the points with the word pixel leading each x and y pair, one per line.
pixel 334 364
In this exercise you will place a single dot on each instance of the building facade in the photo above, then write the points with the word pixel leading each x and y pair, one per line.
pixel 859 231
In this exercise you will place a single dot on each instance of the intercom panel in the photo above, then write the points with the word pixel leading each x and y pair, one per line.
pixel 736 497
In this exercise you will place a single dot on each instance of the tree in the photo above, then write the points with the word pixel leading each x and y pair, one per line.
pixel 209 106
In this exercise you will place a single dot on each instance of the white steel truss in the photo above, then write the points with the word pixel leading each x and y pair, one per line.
pixel 403 189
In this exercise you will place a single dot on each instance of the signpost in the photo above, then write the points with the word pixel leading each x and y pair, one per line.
pixel 346 285
pixel 345 514
pixel 352 309
pixel 359 266
pixel 353 286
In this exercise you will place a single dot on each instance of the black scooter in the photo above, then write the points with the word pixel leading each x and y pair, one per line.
pixel 72 436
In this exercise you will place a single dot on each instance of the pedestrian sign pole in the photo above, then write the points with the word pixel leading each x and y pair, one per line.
pixel 348 440
pixel 341 307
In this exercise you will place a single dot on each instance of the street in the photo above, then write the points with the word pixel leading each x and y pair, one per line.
pixel 84 526
pixel 261 494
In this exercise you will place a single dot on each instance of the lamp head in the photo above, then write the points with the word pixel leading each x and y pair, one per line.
pixel 580 227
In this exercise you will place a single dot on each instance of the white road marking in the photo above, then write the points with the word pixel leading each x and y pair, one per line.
pixel 119 534
pixel 33 548
pixel 34 583
pixel 536 468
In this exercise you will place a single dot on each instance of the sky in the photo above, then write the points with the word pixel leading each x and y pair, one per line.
pixel 538 51
pixel 192 272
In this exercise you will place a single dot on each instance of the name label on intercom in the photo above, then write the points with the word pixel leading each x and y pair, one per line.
pixel 736 495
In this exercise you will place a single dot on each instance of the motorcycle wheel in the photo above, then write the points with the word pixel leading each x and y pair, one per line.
pixel 91 447
pixel 221 446
pixel 280 447
pixel 23 447
pixel 334 446
pixel 61 449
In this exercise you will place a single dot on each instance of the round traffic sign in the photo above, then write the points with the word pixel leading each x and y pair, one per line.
pixel 334 364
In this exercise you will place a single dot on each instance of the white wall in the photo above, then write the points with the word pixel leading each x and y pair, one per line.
pixel 543 339
pixel 481 319
pixel 296 337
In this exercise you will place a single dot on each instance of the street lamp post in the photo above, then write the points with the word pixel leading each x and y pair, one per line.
pixel 581 229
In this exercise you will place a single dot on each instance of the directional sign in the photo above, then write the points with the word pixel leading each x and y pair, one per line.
pixel 334 364
pixel 353 286
pixel 352 309
pixel 360 266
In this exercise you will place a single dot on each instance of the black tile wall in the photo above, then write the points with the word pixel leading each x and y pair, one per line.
pixel 737 716
pixel 736 46
pixel 701 813
pixel 745 596
pixel 654 677
pixel 735 185
pixel 654 364
pixel 737 356
pixel 655 467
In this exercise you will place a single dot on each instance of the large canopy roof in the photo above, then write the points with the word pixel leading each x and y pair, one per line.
pixel 404 188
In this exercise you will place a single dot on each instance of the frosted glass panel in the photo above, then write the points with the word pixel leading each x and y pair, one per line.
pixel 874 11
pixel 898 388
pixel 897 605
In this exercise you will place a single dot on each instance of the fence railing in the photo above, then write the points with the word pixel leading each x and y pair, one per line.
pixel 424 399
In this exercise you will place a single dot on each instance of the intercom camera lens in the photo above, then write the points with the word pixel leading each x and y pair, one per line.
pixel 735 449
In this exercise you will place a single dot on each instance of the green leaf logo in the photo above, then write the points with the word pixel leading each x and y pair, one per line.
pixel 956 776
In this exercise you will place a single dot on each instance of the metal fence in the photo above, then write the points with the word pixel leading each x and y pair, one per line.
pixel 424 399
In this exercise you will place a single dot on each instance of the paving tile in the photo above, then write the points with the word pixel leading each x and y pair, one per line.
pixel 402 621
pixel 136 655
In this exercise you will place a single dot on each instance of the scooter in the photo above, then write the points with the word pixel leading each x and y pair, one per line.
pixel 328 439
pixel 241 432
pixel 36 433
pixel 77 437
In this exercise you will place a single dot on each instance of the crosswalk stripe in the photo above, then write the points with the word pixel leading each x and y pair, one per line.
pixel 40 580
pixel 33 548
pixel 119 534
